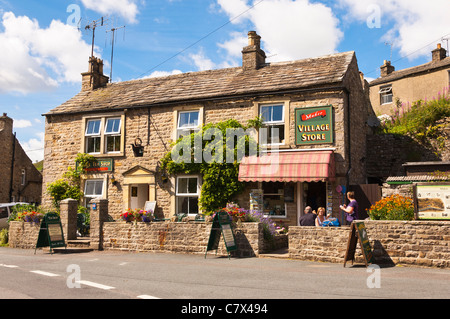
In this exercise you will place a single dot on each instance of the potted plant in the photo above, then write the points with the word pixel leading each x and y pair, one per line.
pixel 147 216
pixel 128 216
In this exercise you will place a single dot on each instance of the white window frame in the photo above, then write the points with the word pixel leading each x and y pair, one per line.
pixel 117 133
pixel 385 94
pixel 188 128
pixel 89 197
pixel 103 135
pixel 88 136
pixel 269 124
pixel 23 177
pixel 178 194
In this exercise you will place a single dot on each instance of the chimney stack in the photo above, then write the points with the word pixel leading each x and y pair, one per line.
pixel 439 54
pixel 253 57
pixel 94 78
pixel 386 68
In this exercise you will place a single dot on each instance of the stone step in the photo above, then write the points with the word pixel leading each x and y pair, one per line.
pixel 79 242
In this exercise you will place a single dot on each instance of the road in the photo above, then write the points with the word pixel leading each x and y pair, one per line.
pixel 124 275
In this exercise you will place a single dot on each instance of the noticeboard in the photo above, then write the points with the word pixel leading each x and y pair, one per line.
pixel 221 225
pixel 358 232
pixel 432 201
pixel 51 232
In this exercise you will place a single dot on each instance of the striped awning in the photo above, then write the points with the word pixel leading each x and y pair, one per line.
pixel 310 166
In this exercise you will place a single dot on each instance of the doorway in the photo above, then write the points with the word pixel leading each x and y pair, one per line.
pixel 314 195
pixel 139 194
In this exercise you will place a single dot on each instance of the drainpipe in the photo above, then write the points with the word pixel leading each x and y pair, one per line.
pixel 12 167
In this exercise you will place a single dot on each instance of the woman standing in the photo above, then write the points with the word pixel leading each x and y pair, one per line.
pixel 351 209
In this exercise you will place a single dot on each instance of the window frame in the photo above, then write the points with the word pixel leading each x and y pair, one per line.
pixel 103 136
pixel 88 198
pixel 386 92
pixel 187 195
pixel 113 134
pixel 271 123
pixel 189 128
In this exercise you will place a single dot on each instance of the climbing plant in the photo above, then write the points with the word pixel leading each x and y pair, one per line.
pixel 70 185
pixel 208 153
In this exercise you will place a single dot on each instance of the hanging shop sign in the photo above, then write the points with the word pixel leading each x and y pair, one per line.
pixel 432 201
pixel 314 125
pixel 101 165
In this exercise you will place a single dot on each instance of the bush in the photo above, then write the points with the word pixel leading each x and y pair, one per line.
pixel 4 237
pixel 394 207
pixel 419 119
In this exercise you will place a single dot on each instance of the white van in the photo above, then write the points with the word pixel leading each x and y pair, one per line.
pixel 5 212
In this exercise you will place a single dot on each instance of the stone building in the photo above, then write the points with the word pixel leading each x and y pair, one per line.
pixel 20 181
pixel 318 106
pixel 409 85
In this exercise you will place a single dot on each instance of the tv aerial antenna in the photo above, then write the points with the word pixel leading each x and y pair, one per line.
pixel 113 31
pixel 446 39
pixel 390 44
pixel 92 26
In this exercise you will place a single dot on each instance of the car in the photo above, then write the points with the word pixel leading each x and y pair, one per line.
pixel 5 212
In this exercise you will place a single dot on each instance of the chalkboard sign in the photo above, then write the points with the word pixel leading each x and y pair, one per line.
pixel 358 232
pixel 51 232
pixel 221 225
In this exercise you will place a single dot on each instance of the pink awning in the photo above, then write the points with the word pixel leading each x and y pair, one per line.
pixel 309 166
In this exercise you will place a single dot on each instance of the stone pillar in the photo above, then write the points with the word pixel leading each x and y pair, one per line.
pixel 99 215
pixel 68 214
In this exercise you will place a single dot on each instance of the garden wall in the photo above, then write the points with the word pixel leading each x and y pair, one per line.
pixel 182 237
pixel 408 243
pixel 185 237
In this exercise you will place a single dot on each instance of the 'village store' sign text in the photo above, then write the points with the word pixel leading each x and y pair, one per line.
pixel 314 125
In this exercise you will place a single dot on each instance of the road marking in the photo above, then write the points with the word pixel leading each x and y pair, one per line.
pixel 9 266
pixel 94 284
pixel 147 297
pixel 44 273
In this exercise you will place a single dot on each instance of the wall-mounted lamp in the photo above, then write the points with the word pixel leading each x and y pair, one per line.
pixel 113 180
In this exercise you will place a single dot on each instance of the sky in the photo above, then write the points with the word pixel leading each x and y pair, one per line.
pixel 45 45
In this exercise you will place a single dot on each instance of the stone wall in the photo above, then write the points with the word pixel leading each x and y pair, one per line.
pixel 408 243
pixel 169 237
pixel 185 237
pixel 23 235
pixel 387 152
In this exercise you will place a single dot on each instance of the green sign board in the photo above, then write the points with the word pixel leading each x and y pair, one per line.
pixel 221 225
pixel 51 232
pixel 314 125
pixel 358 232
pixel 101 165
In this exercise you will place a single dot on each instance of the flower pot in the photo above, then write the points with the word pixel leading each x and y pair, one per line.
pixel 147 219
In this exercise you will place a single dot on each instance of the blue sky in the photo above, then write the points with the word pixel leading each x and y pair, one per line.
pixel 44 45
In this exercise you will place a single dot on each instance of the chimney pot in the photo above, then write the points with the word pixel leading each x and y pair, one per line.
pixel 253 57
pixel 439 53
pixel 386 68
pixel 94 78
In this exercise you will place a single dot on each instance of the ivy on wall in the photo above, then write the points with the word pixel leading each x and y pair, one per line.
pixel 206 154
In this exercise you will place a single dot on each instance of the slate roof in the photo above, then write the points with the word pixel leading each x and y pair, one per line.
pixel 416 70
pixel 307 73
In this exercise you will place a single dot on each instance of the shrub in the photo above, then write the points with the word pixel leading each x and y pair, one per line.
pixel 394 207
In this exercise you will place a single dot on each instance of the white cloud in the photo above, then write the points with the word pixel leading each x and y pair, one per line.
pixel 22 123
pixel 201 61
pixel 35 147
pixel 157 74
pixel 37 59
pixel 125 8
pixel 415 23
pixel 290 30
